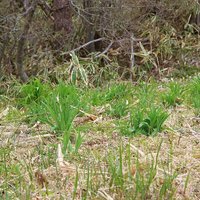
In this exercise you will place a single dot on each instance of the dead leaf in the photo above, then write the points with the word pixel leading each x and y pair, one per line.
pixel 114 52
pixel 4 113
pixel 133 170
pixel 41 179
pixel 81 120
pixel 161 181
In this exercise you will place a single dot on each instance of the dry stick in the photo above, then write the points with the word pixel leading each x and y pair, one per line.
pixel 81 12
pixel 106 50
pixel 84 45
pixel 100 39
pixel 132 63
pixel 20 49
pixel 103 194
pixel 85 113
pixel 46 8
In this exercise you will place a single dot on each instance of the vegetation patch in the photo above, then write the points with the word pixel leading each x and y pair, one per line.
pixel 98 143
pixel 147 122
pixel 107 105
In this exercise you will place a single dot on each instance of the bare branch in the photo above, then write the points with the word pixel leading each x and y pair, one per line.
pixel 106 50
pixel 132 59
pixel 83 46
pixel 46 8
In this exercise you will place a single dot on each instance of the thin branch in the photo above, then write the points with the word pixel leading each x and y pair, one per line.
pixel 81 12
pixel 106 50
pixel 46 8
pixel 132 59
pixel 83 46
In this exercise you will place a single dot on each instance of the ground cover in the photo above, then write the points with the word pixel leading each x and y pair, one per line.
pixel 121 141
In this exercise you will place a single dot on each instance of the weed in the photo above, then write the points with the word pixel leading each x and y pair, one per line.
pixel 12 175
pixel 77 70
pixel 115 168
pixel 118 109
pixel 186 182
pixel 194 94
pixel 96 97
pixel 142 180
pixel 174 95
pixel 167 189
pixel 58 109
pixel 32 93
pixel 113 92
pixel 146 94
pixel 61 108
pixel 117 91
pixel 75 184
pixel 147 122
pixel 78 142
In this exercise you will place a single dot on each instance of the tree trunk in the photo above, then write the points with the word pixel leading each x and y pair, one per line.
pixel 22 41
pixel 89 24
pixel 195 19
pixel 62 16
pixel 2 52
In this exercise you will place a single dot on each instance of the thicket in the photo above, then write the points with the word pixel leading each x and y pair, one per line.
pixel 100 39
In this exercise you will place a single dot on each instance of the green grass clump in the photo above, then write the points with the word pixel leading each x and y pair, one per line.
pixel 56 107
pixel 145 121
pixel 146 94
pixel 101 96
pixel 194 94
pixel 60 109
pixel 96 97
pixel 118 109
pixel 32 92
pixel 117 91
pixel 174 95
